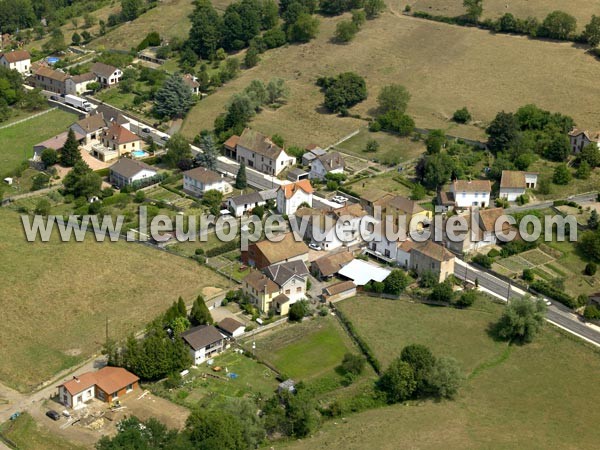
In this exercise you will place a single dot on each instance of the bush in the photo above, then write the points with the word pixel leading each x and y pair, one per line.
pixel 298 311
pixel 462 115
pixel 493 253
pixel 590 269
pixel 483 260
pixel 442 292
pixel 591 312
pixel 554 292
pixel 353 364
pixel 173 381
pixel 528 275
pixel 466 299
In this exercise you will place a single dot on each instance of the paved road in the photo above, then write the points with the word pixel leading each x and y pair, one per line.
pixel 557 313
pixel 587 197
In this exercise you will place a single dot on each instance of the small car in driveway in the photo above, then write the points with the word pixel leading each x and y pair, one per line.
pixel 315 246
pixel 53 414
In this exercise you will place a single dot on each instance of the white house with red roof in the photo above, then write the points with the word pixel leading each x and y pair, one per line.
pixel 19 60
pixel 291 196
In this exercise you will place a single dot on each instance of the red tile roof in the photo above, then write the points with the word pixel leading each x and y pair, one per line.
pixel 16 55
pixel 290 189
pixel 109 379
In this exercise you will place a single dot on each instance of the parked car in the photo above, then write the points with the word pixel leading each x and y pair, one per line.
pixel 164 138
pixel 315 246
pixel 54 97
pixel 53 414
pixel 340 199
pixel 146 130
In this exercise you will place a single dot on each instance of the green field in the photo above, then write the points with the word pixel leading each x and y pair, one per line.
pixel 541 395
pixel 17 141
pixel 56 298
pixel 29 435
pixel 307 350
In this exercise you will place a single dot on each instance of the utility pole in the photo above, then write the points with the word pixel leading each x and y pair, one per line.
pixel 508 293
pixel 106 329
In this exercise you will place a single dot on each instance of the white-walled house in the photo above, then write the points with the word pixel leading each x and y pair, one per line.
pixel 231 327
pixel 581 138
pixel 481 232
pixel 204 342
pixel 246 203
pixel 331 162
pixel 291 196
pixel 19 60
pixel 78 84
pixel 469 193
pixel 127 171
pixel 514 184
pixel 90 127
pixel 258 152
pixel 106 75
pixel 199 180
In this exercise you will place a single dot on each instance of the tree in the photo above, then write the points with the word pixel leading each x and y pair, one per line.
pixel 82 181
pixel 210 154
pixel 583 171
pixel 178 148
pixel 305 28
pixel 174 98
pixel 591 312
pixel 49 157
pixel 394 97
pixel 56 43
pixel 353 364
pixel 251 58
pixel 345 31
pixel 373 8
pixel 592 31
pixel 521 320
pixel 396 282
pixel 502 131
pixel 206 32
pixel 40 181
pixel 558 148
pixel 76 39
pixel 239 112
pixel 132 433
pixel 42 207
pixel 372 146
pixel 594 220
pixel 591 154
pixel 211 429
pixel 435 141
pixel 528 275
pixel 562 175
pixel 257 92
pixel 461 115
pixel 336 7
pixel 589 244
pixel 396 122
pixel 590 269
pixel 276 90
pixel 275 37
pixel 240 178
pixel 213 199
pixel 474 9
pixel 420 358
pixel 418 192
pixel 278 140
pixel 200 315
pixel 558 25
pixel 445 378
pixel 442 292
pixel 435 170
pixel 298 311
pixel 345 91
pixel 467 298
pixel 70 153
pixel 130 9
pixel 398 381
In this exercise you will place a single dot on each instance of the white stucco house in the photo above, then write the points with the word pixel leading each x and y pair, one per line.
pixel 469 193
pixel 331 162
pixel 291 196
pixel 581 138
pixel 204 342
pixel 127 171
pixel 78 84
pixel 231 327
pixel 514 184
pixel 480 233
pixel 19 60
pixel 199 180
pixel 245 203
pixel 106 75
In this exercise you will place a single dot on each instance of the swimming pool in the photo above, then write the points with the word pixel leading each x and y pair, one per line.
pixel 139 154
pixel 52 59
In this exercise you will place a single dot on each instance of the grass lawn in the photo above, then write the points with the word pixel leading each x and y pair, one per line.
pixel 17 141
pixel 576 186
pixel 392 148
pixel 411 55
pixel 537 396
pixel 582 10
pixel 307 350
pixel 56 297
pixel 253 379
pixel 28 435
pixel 384 181
pixel 115 97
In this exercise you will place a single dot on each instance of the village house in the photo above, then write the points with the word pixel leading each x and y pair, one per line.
pixel 107 385
pixel 312 151
pixel 90 127
pixel 258 152
pixel 116 141
pixel 78 84
pixel 291 196
pixel 513 184
pixel 332 229
pixel 339 291
pixel 390 244
pixel 481 232
pixel 431 257
pixel 127 171
pixel 288 247
pixel 204 342
pixel 231 327
pixel 372 197
pixel 50 80
pixel 469 193
pixel 297 174
pixel 415 215
pixel 55 143
pixel 327 266
pixel 106 75
pixel 19 60
pixel 581 138
pixel 192 82
pixel 199 180
pixel 362 272
pixel 277 287
pixel 245 203
pixel 331 162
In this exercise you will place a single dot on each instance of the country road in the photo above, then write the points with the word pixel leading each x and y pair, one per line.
pixel 557 314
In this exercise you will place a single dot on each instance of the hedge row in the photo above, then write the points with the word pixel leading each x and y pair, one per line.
pixel 224 248
pixel 362 344
pixel 560 296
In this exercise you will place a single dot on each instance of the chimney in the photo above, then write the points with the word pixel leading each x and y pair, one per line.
pixel 76 378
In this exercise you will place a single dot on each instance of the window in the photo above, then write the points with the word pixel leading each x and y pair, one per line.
pixel 299 289
pixel 129 388
pixel 287 292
